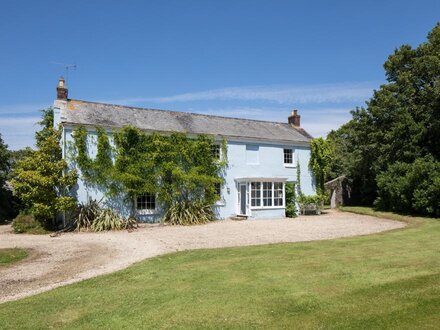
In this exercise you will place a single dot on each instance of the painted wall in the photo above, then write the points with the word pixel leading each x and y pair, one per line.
pixel 267 163
pixel 270 164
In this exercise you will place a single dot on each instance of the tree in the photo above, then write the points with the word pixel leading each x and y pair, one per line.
pixel 5 196
pixel 400 124
pixel 42 181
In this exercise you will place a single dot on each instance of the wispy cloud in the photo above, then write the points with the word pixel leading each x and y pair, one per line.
pixel 14 109
pixel 19 132
pixel 330 93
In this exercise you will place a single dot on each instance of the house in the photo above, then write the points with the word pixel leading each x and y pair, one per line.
pixel 262 155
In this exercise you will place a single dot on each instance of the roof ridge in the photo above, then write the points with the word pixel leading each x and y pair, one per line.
pixel 179 112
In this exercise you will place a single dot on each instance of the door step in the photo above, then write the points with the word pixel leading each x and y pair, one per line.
pixel 239 217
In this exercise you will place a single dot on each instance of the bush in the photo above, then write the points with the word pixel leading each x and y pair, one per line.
pixel 189 213
pixel 410 188
pixel 26 223
pixel 92 216
pixel 86 214
pixel 107 219
pixel 291 210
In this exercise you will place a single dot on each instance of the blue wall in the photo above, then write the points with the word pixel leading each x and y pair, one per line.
pixel 267 162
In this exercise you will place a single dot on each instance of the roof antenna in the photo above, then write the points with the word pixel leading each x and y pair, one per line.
pixel 66 69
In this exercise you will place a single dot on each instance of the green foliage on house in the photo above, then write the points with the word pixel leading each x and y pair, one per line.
pixel 176 168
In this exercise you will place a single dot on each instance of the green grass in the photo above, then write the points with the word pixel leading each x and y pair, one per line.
pixel 9 256
pixel 388 280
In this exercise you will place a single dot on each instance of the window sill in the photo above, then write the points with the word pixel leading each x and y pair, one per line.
pixel 267 207
pixel 147 212
pixel 290 165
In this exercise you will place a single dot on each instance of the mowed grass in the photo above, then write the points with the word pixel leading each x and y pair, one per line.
pixel 8 256
pixel 388 280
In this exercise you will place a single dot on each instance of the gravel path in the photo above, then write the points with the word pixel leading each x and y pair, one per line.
pixel 72 257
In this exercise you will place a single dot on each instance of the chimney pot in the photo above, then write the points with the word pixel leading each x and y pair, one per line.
pixel 62 91
pixel 294 119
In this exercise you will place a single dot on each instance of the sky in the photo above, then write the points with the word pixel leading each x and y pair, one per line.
pixel 248 59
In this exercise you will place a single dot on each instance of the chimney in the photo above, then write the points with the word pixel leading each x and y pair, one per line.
pixel 62 90
pixel 294 119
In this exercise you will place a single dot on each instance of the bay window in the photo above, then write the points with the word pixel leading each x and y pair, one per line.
pixel 267 194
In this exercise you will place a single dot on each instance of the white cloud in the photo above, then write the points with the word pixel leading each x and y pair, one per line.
pixel 331 93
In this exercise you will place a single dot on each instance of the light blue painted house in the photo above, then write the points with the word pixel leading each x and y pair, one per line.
pixel 262 155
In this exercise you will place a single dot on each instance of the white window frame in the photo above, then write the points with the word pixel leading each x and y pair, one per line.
pixel 293 157
pixel 146 211
pixel 272 197
pixel 220 153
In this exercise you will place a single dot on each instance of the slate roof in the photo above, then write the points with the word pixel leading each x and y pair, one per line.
pixel 116 116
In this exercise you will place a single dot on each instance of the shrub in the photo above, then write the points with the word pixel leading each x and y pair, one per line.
pixel 26 223
pixel 86 214
pixel 92 216
pixel 189 213
pixel 107 219
pixel 411 187
pixel 291 210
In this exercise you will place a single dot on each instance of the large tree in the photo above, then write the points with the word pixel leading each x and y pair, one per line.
pixel 400 124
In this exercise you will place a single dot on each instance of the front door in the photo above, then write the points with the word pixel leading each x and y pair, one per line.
pixel 243 199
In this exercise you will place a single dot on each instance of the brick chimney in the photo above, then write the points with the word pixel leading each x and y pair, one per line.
pixel 294 119
pixel 62 90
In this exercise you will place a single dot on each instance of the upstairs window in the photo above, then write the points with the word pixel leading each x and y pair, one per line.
pixel 146 201
pixel 215 151
pixel 288 156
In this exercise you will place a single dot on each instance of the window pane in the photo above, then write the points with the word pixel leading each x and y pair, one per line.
pixel 215 150
pixel 146 201
pixel 267 193
pixel 278 194
pixel 218 190
pixel 255 194
pixel 288 156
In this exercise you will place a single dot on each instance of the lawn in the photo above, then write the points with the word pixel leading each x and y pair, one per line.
pixel 8 256
pixel 388 280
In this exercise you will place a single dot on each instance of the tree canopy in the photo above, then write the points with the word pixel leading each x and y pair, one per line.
pixel 41 178
pixel 400 125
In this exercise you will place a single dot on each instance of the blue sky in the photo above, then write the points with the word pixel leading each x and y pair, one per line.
pixel 252 59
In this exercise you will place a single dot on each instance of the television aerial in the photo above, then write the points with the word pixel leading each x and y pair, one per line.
pixel 67 67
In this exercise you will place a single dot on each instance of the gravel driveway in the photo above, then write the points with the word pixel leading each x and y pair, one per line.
pixel 71 257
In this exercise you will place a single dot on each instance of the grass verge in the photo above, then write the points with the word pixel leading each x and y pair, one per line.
pixel 8 256
pixel 389 280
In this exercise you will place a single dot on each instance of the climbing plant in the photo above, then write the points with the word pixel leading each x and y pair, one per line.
pixel 175 167
pixel 320 161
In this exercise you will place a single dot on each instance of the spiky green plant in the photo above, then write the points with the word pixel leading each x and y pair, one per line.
pixel 91 216
pixel 189 213
pixel 108 219
pixel 87 213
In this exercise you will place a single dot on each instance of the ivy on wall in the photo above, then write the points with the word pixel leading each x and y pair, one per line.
pixel 175 167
